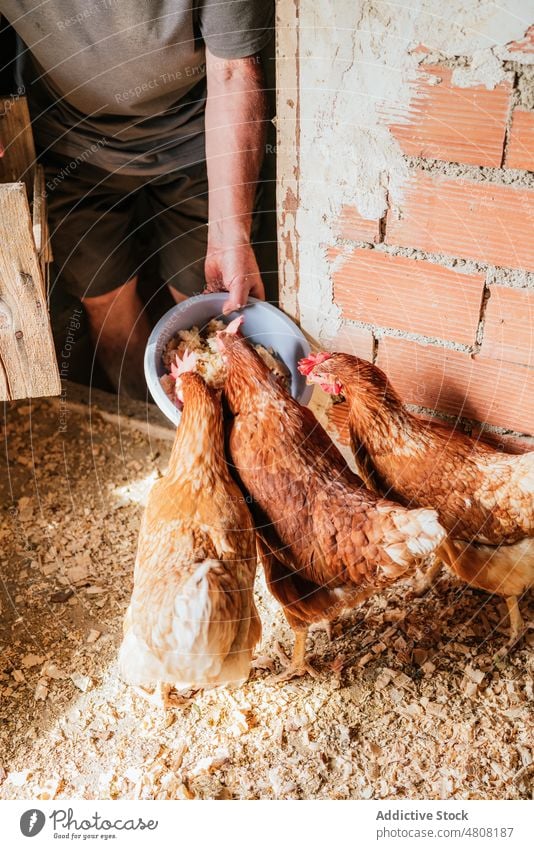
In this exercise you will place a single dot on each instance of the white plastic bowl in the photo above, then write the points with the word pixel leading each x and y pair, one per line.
pixel 264 324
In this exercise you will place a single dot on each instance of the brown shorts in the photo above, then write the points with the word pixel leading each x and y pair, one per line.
pixel 97 217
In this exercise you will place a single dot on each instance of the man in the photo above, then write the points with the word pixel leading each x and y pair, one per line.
pixel 156 105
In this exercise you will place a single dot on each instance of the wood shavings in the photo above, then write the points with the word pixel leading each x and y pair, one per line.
pixel 402 680
pixel 41 690
pixel 238 724
pixel 402 719
pixel 51 670
pixel 82 682
pixel 77 574
pixel 395 695
pixel 513 713
pixel 383 679
pixel 475 675
pixel 133 773
pixel 210 764
pixel 49 789
pixel 420 656
pixel 30 660
pixel 62 596
pixel 93 636
pixel 18 778
pixel 25 509
pixel 263 661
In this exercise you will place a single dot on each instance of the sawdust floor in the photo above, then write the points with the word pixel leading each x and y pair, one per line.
pixel 409 703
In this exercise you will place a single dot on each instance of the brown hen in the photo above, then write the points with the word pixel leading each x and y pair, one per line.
pixel 485 498
pixel 192 620
pixel 326 541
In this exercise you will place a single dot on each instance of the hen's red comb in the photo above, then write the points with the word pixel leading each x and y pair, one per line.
pixel 306 365
pixel 184 364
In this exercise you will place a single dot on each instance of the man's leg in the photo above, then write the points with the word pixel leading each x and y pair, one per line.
pixel 179 207
pixel 94 239
pixel 119 330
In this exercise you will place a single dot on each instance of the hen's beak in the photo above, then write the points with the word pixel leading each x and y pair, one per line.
pixel 335 388
pixel 328 383
pixel 230 332
pixel 308 366
pixel 233 327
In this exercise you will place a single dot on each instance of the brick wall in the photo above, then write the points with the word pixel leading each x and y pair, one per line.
pixel 439 292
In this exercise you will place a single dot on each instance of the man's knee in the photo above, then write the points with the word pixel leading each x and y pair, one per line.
pixel 126 293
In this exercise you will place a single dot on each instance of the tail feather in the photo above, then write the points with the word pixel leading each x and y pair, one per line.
pixel 207 641
pixel 525 478
pixel 415 535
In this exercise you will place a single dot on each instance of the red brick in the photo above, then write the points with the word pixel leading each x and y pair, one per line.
pixel 524 45
pixel 520 150
pixel 351 225
pixel 484 221
pixel 407 294
pixel 338 416
pixel 353 340
pixel 421 48
pixel 509 326
pixel 456 124
pixel 509 443
pixel 451 382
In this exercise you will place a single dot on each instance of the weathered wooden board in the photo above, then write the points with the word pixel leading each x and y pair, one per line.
pixel 40 224
pixel 18 162
pixel 28 365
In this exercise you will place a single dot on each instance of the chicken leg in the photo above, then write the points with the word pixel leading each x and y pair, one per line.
pixel 297 666
pixel 424 579
pixel 518 626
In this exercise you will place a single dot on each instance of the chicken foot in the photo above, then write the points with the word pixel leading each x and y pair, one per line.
pixel 424 579
pixel 164 697
pixel 324 625
pixel 518 626
pixel 297 666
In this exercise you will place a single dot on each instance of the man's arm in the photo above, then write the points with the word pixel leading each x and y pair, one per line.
pixel 236 115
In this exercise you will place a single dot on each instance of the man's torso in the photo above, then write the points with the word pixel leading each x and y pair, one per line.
pixel 123 83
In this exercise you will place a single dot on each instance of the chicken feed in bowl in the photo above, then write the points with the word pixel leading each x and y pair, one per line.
pixel 210 364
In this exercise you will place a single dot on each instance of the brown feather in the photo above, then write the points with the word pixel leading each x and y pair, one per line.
pixel 192 618
pixel 327 537
pixel 485 498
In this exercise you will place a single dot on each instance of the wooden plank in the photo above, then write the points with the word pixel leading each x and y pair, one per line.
pixel 40 224
pixel 26 347
pixel 18 162
pixel 38 213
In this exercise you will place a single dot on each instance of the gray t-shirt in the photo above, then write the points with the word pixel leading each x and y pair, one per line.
pixel 122 83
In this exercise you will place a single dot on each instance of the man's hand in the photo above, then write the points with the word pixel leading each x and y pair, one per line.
pixel 235 140
pixel 236 271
